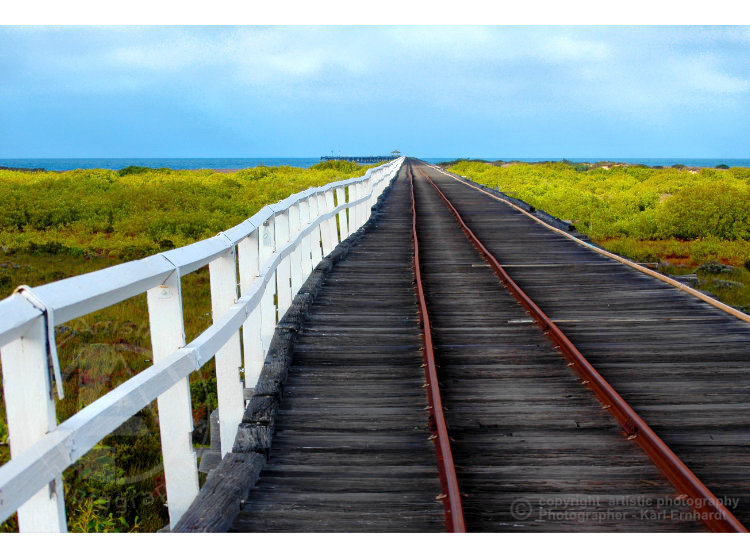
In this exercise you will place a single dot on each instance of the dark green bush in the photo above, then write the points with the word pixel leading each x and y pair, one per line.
pixel 133 170
pixel 337 165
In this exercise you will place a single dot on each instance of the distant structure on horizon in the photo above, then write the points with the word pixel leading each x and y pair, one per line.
pixel 364 159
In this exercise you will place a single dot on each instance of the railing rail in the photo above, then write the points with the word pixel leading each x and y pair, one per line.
pixel 274 250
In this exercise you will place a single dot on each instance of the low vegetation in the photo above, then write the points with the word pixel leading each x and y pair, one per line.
pixel 56 225
pixel 138 211
pixel 680 218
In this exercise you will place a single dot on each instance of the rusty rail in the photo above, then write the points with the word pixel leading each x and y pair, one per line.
pixel 661 277
pixel 710 510
pixel 454 516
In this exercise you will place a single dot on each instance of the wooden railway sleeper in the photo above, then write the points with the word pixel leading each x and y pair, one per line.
pixel 710 509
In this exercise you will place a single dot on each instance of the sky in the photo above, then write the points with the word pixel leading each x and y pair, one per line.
pixel 495 92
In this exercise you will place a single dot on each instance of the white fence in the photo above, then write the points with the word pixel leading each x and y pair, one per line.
pixel 274 252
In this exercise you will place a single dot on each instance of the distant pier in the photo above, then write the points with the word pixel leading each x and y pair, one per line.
pixel 360 159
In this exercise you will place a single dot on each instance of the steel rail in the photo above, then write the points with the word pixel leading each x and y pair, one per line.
pixel 661 277
pixel 711 511
pixel 454 515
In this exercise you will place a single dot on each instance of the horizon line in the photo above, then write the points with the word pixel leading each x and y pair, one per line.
pixel 605 158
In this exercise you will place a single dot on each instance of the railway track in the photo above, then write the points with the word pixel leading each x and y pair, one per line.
pixel 513 438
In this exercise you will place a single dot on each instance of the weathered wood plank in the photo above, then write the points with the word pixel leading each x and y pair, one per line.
pixel 221 497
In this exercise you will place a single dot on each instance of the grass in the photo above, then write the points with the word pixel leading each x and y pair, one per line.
pixel 678 217
pixel 54 226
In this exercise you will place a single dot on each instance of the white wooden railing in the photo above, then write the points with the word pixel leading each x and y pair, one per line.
pixel 274 251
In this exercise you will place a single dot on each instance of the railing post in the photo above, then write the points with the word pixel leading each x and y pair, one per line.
pixel 175 409
pixel 376 189
pixel 251 339
pixel 365 185
pixel 361 206
pixel 283 270
pixel 266 248
pixel 343 220
pixel 315 237
pixel 333 234
pixel 369 190
pixel 304 216
pixel 354 211
pixel 223 276
pixel 30 410
pixel 296 256
pixel 326 230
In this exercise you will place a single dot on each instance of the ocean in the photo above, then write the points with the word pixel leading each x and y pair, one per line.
pixel 64 164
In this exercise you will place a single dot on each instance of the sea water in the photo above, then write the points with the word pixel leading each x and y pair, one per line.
pixel 64 164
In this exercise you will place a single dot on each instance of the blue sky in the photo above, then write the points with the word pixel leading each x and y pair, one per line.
pixel 428 91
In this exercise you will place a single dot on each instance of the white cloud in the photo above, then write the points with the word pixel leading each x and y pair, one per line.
pixel 627 70
pixel 704 75
pixel 569 48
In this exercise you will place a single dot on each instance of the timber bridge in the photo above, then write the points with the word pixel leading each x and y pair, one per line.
pixel 406 351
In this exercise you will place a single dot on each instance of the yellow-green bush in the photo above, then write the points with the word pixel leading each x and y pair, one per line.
pixel 130 214
pixel 636 209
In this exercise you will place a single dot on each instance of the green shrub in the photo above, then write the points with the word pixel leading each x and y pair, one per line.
pixel 138 211
pixel 337 165
pixel 134 170
pixel 710 209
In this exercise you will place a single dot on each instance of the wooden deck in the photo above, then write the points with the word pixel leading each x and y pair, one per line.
pixel 534 449
pixel 525 429
pixel 681 363
pixel 351 450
